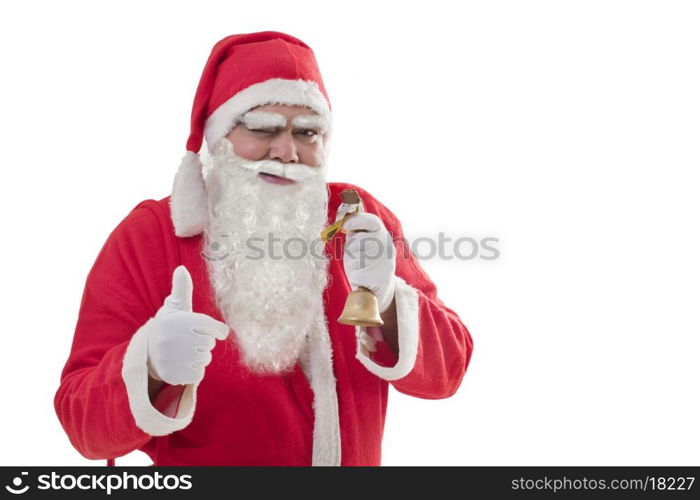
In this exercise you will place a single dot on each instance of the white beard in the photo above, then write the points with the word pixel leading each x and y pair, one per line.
pixel 270 300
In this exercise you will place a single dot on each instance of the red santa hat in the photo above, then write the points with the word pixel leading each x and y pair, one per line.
pixel 242 72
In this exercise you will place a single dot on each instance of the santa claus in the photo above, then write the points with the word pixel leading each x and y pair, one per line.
pixel 208 333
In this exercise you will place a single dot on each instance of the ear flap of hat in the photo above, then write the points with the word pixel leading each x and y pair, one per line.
pixel 188 202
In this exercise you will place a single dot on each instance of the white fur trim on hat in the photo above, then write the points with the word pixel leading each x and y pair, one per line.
pixel 272 91
pixel 188 202
pixel 408 325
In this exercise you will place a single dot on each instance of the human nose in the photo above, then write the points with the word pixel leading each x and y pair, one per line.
pixel 283 149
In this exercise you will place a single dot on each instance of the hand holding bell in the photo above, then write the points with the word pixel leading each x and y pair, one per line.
pixel 369 262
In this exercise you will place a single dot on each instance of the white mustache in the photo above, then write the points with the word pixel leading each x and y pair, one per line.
pixel 292 171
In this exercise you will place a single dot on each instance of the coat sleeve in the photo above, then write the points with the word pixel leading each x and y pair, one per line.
pixel 434 346
pixel 102 401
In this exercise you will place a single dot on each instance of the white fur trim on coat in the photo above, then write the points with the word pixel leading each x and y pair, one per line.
pixel 135 376
pixel 188 202
pixel 317 363
pixel 272 91
pixel 408 324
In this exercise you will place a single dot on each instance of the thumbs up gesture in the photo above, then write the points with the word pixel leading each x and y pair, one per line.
pixel 180 341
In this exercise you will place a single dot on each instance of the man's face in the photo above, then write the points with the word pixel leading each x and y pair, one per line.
pixel 268 203
pixel 288 134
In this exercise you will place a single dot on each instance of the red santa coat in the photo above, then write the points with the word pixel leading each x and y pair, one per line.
pixel 329 411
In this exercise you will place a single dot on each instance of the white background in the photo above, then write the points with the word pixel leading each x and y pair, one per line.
pixel 568 130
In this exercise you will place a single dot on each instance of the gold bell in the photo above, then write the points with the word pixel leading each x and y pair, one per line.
pixel 361 309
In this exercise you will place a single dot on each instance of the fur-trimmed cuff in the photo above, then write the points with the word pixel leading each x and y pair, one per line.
pixel 135 376
pixel 409 334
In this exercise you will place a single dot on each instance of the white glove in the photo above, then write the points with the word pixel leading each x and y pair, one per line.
pixel 370 257
pixel 179 340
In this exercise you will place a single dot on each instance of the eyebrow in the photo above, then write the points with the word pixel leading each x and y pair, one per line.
pixel 311 121
pixel 263 119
